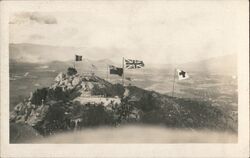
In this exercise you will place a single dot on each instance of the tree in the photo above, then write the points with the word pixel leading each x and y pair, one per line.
pixel 58 94
pixel 39 95
pixel 71 71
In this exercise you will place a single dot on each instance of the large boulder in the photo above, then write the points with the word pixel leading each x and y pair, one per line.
pixel 76 80
pixel 60 77
pixel 37 115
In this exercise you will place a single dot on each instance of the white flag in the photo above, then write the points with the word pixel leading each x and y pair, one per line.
pixel 182 75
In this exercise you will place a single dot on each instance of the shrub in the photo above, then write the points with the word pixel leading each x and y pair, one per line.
pixel 55 120
pixel 95 115
pixel 71 71
pixel 58 94
pixel 109 91
pixel 39 95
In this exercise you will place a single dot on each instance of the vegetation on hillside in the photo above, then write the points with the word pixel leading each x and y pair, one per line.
pixel 71 71
pixel 53 110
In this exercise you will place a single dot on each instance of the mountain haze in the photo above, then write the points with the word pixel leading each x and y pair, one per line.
pixel 64 57
pixel 34 53
pixel 222 65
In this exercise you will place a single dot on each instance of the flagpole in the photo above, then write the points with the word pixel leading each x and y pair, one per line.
pixel 173 83
pixel 74 62
pixel 91 70
pixel 107 72
pixel 123 74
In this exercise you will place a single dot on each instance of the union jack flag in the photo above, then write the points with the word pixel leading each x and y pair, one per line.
pixel 133 64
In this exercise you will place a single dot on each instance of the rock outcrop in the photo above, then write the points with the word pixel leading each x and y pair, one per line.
pixel 79 101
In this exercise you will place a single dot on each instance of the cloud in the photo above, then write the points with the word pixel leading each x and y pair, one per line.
pixel 41 18
pixel 36 37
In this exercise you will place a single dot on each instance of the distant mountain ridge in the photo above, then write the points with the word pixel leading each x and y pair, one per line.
pixel 43 54
pixel 221 65
pixel 35 53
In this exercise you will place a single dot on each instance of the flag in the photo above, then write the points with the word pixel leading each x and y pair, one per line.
pixel 78 58
pixel 133 64
pixel 115 70
pixel 182 75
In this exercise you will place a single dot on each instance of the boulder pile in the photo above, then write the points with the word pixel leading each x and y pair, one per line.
pixel 63 97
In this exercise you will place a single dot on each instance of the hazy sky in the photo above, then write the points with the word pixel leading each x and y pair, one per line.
pixel 164 32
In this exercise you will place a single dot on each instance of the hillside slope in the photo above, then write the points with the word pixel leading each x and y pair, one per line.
pixel 77 101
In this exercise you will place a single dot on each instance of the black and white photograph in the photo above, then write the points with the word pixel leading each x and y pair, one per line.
pixel 163 72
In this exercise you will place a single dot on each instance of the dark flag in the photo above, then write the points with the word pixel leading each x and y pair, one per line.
pixel 133 64
pixel 78 58
pixel 182 75
pixel 115 70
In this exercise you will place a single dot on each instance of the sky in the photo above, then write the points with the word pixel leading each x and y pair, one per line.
pixel 167 32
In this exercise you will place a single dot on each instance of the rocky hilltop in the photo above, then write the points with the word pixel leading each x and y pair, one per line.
pixel 75 101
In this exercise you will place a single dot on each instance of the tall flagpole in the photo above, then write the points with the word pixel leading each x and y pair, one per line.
pixel 107 72
pixel 74 61
pixel 123 74
pixel 173 83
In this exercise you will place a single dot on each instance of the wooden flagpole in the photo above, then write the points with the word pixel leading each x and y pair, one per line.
pixel 123 74
pixel 173 83
pixel 91 70
pixel 74 61
pixel 107 72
